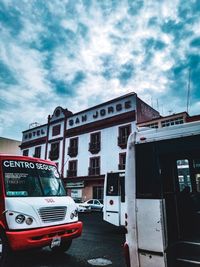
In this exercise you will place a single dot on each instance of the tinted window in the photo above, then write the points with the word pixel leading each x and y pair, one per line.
pixel 112 188
pixel 122 186
pixel 148 183
pixel 196 166
pixel 183 172
pixel 23 178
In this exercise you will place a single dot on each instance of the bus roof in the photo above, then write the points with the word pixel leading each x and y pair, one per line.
pixel 176 131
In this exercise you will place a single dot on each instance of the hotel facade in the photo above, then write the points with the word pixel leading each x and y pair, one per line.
pixel 88 144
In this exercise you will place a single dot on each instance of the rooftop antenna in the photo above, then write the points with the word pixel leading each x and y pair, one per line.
pixel 33 125
pixel 188 90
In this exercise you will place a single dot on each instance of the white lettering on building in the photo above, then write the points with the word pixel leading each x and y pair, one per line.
pixel 100 113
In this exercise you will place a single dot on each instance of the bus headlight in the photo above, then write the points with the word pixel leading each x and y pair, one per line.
pixel 29 221
pixel 20 218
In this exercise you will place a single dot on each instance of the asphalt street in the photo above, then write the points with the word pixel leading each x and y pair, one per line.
pixel 99 240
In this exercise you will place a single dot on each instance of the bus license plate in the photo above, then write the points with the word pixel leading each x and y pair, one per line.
pixel 55 242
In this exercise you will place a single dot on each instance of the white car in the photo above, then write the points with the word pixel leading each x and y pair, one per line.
pixel 82 208
pixel 93 204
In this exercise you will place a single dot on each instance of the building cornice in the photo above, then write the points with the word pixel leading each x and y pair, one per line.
pixel 55 140
pixel 35 142
pixel 34 128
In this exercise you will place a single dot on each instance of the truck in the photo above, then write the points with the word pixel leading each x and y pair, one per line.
pixel 34 208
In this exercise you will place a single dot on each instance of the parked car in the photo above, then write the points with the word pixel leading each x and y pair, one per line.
pixel 94 204
pixel 81 207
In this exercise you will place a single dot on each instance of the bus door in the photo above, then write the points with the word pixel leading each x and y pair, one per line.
pixel 122 202
pixel 112 205
pixel 182 201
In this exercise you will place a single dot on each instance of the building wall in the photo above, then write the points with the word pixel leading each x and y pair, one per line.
pixel 109 153
pixel 161 122
pixel 87 193
pixel 9 146
pixel 31 151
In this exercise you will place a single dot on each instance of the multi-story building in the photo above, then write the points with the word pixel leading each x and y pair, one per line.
pixel 173 119
pixel 88 144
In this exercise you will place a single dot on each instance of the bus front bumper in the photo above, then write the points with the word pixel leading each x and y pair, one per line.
pixel 41 237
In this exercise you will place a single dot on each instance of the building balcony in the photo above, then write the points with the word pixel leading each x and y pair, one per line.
pixel 94 148
pixel 53 155
pixel 93 171
pixel 121 166
pixel 72 151
pixel 122 142
pixel 71 173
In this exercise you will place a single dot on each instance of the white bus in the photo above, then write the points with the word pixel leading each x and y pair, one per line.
pixel 114 198
pixel 163 197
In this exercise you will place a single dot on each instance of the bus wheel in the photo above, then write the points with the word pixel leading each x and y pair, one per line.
pixel 4 250
pixel 64 246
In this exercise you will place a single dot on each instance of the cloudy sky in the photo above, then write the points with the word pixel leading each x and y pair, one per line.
pixel 77 54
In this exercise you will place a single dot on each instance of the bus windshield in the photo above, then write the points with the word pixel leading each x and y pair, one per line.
pixel 30 179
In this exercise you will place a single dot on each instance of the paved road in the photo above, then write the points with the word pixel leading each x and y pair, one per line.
pixel 99 240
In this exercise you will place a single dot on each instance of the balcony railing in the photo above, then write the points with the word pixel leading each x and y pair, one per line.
pixel 121 166
pixel 71 173
pixel 53 155
pixel 72 151
pixel 122 141
pixel 93 171
pixel 94 148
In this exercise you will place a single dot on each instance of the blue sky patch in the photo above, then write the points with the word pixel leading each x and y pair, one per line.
pixel 126 72
pixel 195 42
pixel 77 54
pixel 6 75
pixel 10 19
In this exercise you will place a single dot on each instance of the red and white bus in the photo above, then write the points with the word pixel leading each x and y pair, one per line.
pixel 114 198
pixel 163 197
pixel 35 211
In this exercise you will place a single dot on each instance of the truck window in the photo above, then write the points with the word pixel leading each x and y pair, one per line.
pixel 28 179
